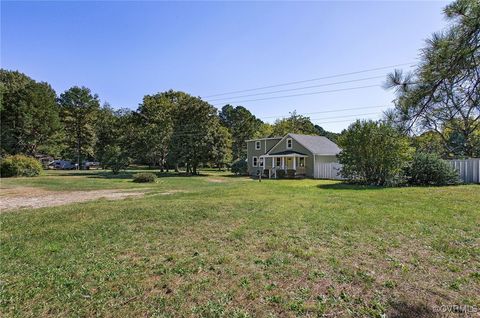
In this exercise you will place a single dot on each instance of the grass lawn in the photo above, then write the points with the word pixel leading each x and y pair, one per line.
pixel 222 246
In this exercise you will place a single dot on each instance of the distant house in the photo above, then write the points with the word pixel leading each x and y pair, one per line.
pixel 297 155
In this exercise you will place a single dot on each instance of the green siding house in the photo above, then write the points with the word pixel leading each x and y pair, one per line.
pixel 300 155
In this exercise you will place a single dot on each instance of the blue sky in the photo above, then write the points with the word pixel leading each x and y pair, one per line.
pixel 124 50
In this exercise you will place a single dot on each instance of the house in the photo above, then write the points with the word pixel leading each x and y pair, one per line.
pixel 297 155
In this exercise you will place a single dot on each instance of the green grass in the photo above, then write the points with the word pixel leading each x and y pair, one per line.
pixel 240 248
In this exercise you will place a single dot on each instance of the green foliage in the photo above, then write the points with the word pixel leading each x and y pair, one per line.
pixel 155 126
pixel 79 112
pixel 20 166
pixel 291 173
pixel 429 169
pixel 197 135
pixel 29 115
pixel 115 158
pixel 239 167
pixel 330 135
pixel 373 153
pixel 144 177
pixel 242 126
pixel 442 93
pixel 280 173
pixel 295 124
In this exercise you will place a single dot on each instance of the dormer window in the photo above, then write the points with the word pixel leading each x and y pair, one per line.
pixel 258 146
pixel 289 143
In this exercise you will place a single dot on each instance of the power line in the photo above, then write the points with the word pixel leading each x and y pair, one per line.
pixel 298 88
pixel 302 94
pixel 309 80
pixel 326 111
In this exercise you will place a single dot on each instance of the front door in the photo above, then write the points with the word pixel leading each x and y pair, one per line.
pixel 289 164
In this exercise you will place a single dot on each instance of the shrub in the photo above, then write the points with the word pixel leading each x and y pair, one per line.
pixel 291 173
pixel 373 153
pixel 239 167
pixel 20 166
pixel 115 159
pixel 144 177
pixel 280 173
pixel 429 169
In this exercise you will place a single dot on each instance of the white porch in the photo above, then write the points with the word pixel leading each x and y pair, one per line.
pixel 285 162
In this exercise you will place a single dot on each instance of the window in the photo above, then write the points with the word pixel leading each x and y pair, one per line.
pixel 289 143
pixel 258 146
pixel 301 162
pixel 254 161
pixel 261 162
pixel 278 161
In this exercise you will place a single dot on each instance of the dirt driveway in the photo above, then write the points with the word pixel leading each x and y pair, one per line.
pixel 33 198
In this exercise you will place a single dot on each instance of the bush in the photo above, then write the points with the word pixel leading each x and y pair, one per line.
pixel 291 173
pixel 280 173
pixel 240 167
pixel 144 177
pixel 429 169
pixel 373 153
pixel 20 166
pixel 115 159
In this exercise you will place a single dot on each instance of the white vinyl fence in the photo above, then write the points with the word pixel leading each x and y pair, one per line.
pixel 329 170
pixel 468 169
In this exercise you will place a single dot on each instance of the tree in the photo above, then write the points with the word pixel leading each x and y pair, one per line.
pixel 222 150
pixel 156 120
pixel 443 93
pixel 373 153
pixel 242 125
pixel 29 115
pixel 296 124
pixel 115 158
pixel 265 130
pixel 322 132
pixel 195 137
pixel 79 112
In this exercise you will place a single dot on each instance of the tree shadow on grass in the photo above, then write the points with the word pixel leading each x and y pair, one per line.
pixel 347 186
pixel 128 174
pixel 402 309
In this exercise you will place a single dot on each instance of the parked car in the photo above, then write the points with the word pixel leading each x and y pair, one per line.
pixel 91 165
pixel 62 165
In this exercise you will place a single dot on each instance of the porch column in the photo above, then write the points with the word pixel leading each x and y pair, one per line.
pixel 283 163
pixel 273 162
pixel 294 163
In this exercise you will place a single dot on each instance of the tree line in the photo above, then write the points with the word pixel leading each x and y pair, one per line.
pixel 167 130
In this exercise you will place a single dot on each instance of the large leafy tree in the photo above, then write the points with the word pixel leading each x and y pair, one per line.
pixel 242 125
pixel 373 153
pixel 29 115
pixel 296 124
pixel 155 116
pixel 79 113
pixel 443 93
pixel 196 134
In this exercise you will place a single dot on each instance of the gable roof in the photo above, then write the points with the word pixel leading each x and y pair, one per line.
pixel 317 145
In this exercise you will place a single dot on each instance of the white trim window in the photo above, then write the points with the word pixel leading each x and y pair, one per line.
pixel 258 145
pixel 260 162
pixel 278 162
pixel 254 161
pixel 289 143
pixel 301 162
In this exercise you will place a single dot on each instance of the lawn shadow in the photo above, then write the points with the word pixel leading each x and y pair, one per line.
pixel 402 309
pixel 348 186
pixel 127 174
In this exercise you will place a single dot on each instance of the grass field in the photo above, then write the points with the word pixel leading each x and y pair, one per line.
pixel 223 246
